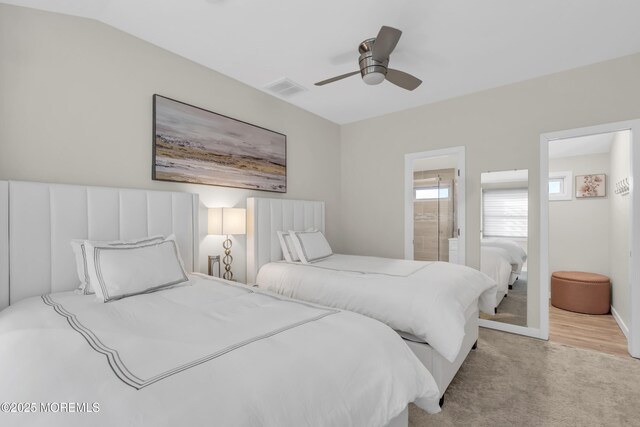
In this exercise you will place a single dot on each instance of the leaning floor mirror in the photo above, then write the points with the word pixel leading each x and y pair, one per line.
pixel 503 242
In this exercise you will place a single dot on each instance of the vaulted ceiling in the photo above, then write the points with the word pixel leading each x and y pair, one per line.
pixel 455 46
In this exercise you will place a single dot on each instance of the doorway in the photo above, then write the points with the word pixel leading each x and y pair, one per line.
pixel 434 205
pixel 587 226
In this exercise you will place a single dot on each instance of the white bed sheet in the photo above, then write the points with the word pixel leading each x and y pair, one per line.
pixel 516 255
pixel 425 299
pixel 205 353
pixel 495 263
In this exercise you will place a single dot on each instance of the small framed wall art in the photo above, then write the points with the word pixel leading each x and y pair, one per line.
pixel 198 146
pixel 588 186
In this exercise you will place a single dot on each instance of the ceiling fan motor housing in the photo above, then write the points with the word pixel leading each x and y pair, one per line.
pixel 374 62
pixel 373 72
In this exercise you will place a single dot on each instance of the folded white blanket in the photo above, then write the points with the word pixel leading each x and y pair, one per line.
pixel 206 353
pixel 427 300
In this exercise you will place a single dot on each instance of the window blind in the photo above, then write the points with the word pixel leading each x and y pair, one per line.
pixel 505 212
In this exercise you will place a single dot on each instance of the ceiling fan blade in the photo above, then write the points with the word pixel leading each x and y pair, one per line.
pixel 335 79
pixel 386 41
pixel 402 79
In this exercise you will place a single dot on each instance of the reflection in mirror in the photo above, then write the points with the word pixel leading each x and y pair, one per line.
pixel 503 241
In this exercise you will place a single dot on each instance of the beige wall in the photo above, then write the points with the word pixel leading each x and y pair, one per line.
pixel 500 129
pixel 76 107
pixel 579 229
pixel 620 227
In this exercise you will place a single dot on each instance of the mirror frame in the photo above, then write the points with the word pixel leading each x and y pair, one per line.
pixel 494 324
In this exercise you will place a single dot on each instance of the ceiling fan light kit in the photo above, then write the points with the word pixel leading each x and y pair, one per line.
pixel 373 72
pixel 374 62
pixel 373 77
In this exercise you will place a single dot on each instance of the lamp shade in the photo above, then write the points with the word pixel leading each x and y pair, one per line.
pixel 215 221
pixel 227 221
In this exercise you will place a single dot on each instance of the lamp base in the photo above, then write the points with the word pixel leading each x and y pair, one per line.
pixel 227 260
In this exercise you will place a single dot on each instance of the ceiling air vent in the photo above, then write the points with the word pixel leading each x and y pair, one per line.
pixel 284 87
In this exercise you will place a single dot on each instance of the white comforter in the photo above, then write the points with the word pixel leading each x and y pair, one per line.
pixel 425 299
pixel 514 253
pixel 205 353
pixel 495 263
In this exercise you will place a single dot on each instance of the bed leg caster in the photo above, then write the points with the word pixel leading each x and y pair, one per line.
pixel 510 286
pixel 475 345
pixel 441 401
pixel 495 311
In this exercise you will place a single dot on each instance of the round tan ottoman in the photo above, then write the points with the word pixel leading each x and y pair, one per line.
pixel 588 293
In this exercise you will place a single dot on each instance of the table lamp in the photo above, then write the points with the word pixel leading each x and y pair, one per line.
pixel 227 221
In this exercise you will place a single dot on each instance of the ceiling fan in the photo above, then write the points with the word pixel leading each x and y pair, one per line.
pixel 374 61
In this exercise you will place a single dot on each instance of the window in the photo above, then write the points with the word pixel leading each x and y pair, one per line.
pixel 560 185
pixel 556 186
pixel 505 212
pixel 430 193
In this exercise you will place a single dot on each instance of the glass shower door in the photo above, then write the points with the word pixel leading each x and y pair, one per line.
pixel 433 214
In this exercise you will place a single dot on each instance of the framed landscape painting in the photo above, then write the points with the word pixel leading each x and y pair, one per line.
pixel 198 146
pixel 591 186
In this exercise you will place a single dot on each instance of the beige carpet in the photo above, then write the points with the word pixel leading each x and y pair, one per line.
pixel 517 381
pixel 513 308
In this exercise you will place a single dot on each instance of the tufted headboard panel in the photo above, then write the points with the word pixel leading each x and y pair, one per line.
pixel 38 221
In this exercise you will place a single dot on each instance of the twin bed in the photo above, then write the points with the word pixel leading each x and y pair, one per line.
pixel 502 260
pixel 510 254
pixel 198 351
pixel 160 345
pixel 432 305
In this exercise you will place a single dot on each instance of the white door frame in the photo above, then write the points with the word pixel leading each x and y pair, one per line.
pixel 409 160
pixel 634 259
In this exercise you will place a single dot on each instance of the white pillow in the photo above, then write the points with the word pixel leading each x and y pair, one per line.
pixel 77 245
pixel 310 245
pixel 288 249
pixel 125 270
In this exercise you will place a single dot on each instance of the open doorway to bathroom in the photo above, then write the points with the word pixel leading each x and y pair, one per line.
pixel 589 216
pixel 434 205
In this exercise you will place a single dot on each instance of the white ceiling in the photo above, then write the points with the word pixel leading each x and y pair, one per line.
pixel 581 146
pixel 455 46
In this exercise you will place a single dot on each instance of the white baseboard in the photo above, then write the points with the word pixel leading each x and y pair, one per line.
pixel 620 322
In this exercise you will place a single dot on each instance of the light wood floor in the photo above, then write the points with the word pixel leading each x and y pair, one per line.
pixel 594 332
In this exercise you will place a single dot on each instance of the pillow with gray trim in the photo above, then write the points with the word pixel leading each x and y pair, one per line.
pixel 288 249
pixel 121 271
pixel 310 245
pixel 77 245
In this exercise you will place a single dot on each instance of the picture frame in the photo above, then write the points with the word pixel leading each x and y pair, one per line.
pixel 213 265
pixel 197 146
pixel 589 186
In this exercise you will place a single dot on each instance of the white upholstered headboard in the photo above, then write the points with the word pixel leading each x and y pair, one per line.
pixel 38 220
pixel 265 217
